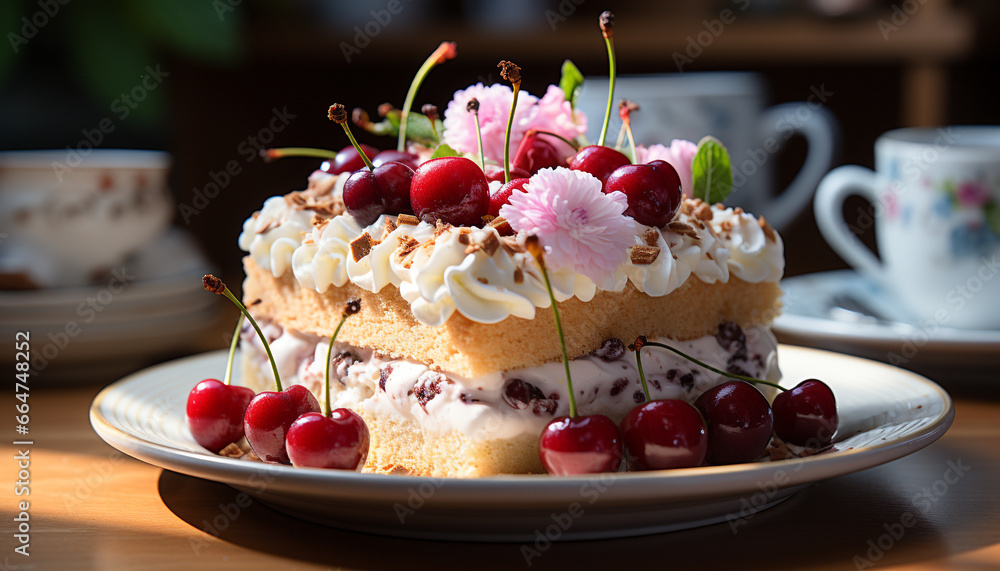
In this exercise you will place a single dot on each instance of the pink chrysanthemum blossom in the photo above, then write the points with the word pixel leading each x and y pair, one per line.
pixel 972 194
pixel 494 108
pixel 680 155
pixel 554 114
pixel 579 226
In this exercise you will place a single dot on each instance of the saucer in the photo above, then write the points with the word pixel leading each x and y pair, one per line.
pixel 843 311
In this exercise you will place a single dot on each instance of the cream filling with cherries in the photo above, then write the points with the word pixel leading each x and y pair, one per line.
pixel 487 277
pixel 511 403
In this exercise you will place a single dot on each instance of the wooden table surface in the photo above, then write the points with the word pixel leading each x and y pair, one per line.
pixel 94 508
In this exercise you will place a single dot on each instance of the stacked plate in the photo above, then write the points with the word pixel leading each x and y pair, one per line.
pixel 153 305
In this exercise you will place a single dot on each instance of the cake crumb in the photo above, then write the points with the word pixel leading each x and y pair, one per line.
pixel 651 236
pixel 726 226
pixel 361 246
pixel 738 210
pixel 232 451
pixel 703 212
pixel 408 219
pixel 440 228
pixel 644 255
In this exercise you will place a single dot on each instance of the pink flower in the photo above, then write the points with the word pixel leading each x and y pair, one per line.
pixel 579 226
pixel 972 194
pixel 554 114
pixel 494 108
pixel 680 155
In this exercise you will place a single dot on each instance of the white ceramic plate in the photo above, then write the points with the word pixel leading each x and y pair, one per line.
pixel 808 318
pixel 885 413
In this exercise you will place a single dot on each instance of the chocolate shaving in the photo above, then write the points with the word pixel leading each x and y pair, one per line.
pixel 651 236
pixel 361 246
pixel 408 219
pixel 511 246
pixel 483 280
pixel 464 237
pixel 682 229
pixel 390 226
pixel 518 276
pixel 644 254
pixel 490 244
pixel 768 230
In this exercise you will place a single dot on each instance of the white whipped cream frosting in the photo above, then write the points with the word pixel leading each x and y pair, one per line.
pixel 439 278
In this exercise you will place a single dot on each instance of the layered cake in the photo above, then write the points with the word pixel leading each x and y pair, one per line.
pixel 453 361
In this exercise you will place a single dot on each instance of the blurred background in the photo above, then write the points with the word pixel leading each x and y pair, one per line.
pixel 212 81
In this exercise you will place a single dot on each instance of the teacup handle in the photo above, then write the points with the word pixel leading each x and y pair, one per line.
pixel 822 135
pixel 829 207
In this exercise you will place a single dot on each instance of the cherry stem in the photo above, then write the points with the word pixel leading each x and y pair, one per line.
pixel 562 339
pixel 479 136
pixel 215 285
pixel 274 154
pixel 610 42
pixel 510 72
pixel 361 152
pixel 621 137
pixel 232 349
pixel 642 374
pixel 326 373
pixel 713 369
pixel 574 144
pixel 443 53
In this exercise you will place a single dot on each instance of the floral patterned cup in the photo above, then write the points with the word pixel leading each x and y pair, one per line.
pixel 936 194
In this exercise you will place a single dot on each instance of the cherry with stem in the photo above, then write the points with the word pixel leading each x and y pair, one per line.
pixel 443 53
pixel 336 439
pixel 575 444
pixel 270 413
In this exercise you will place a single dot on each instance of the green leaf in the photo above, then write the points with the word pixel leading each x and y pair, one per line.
pixel 571 82
pixel 444 150
pixel 711 173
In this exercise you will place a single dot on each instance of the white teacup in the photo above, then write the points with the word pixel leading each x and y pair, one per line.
pixel 731 107
pixel 67 220
pixel 937 221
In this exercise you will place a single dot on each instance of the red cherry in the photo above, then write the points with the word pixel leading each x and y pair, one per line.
pixel 393 180
pixel 409 159
pixel 496 174
pixel 339 441
pixel 535 153
pixel 653 191
pixel 740 422
pixel 598 161
pixel 664 434
pixel 502 195
pixel 362 197
pixel 348 159
pixel 269 416
pixel 581 445
pixel 806 415
pixel 451 189
pixel 215 413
